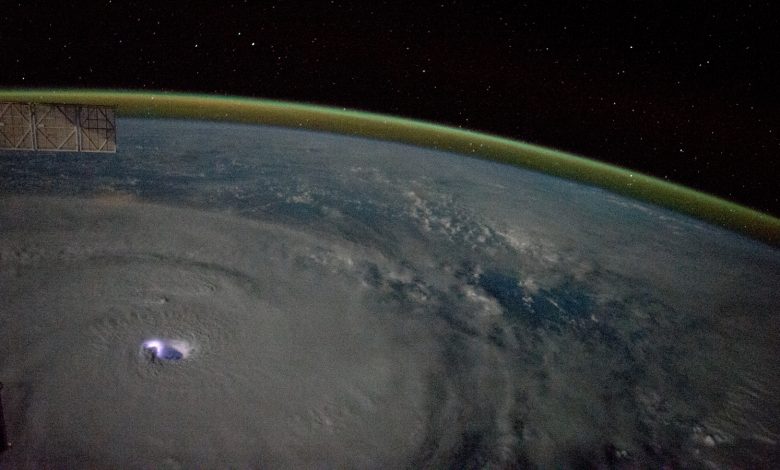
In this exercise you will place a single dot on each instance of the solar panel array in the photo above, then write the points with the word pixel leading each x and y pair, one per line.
pixel 57 127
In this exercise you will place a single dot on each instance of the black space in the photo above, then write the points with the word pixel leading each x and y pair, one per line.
pixel 681 90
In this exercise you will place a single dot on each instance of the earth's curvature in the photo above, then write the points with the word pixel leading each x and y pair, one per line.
pixel 351 303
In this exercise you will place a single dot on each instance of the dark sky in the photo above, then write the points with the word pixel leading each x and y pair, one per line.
pixel 681 90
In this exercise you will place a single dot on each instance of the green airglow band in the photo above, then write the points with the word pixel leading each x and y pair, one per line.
pixel 546 160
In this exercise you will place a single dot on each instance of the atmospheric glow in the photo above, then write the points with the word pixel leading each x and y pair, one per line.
pixel 547 160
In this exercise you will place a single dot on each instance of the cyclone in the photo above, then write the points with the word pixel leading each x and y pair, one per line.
pixel 233 294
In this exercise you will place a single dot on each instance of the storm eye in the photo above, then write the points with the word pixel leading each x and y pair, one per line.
pixel 166 350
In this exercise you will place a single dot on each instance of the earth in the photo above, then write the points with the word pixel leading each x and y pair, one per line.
pixel 232 295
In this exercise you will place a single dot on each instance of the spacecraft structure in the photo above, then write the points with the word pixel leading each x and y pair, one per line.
pixel 57 127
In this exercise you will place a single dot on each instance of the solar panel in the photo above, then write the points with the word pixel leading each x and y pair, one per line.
pixel 98 129
pixel 57 127
pixel 16 126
